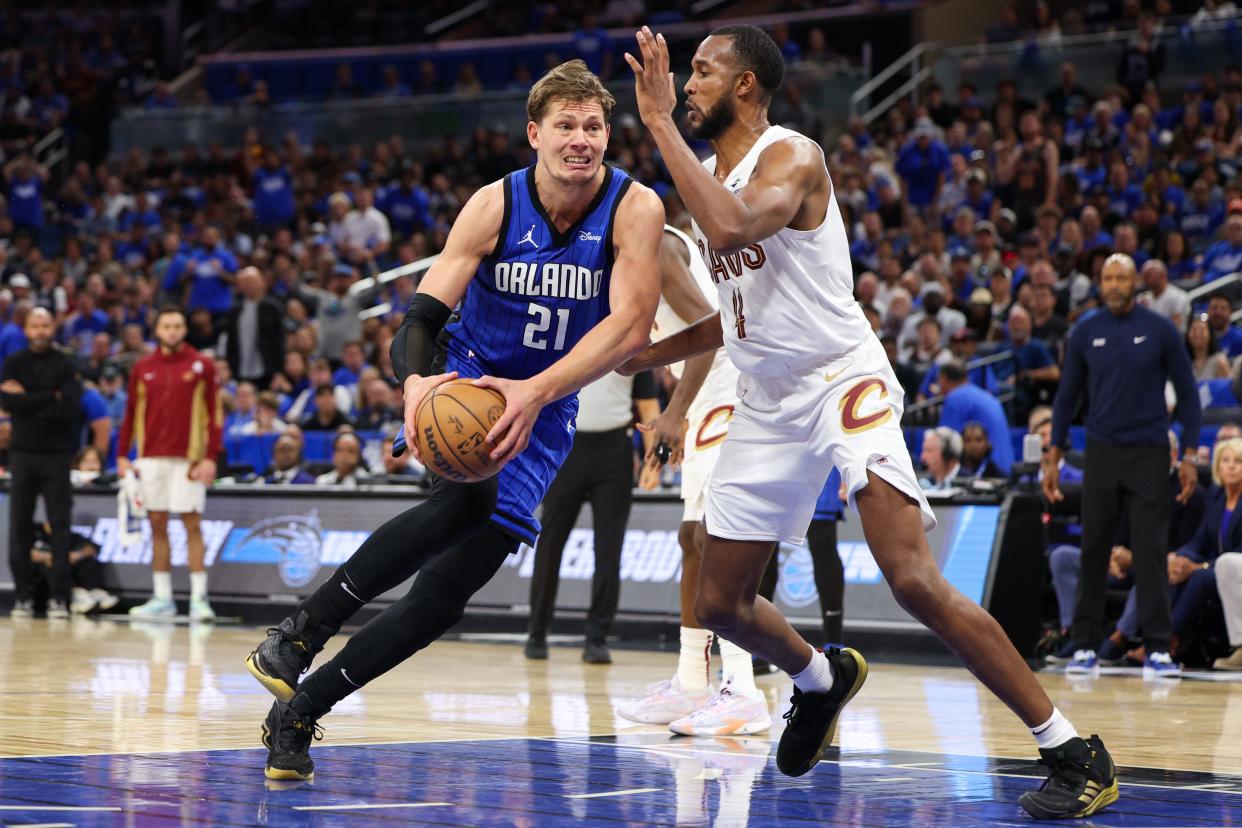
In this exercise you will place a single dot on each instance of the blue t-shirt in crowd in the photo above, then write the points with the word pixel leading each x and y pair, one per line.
pixel 1221 259
pixel 921 170
pixel 970 403
pixel 209 290
pixel 1028 357
pixel 407 210
pixel 95 322
pixel 273 196
pixel 12 339
pixel 1199 224
pixel 92 407
pixel 26 202
pixel 1123 202
pixel 1230 341
pixel 344 376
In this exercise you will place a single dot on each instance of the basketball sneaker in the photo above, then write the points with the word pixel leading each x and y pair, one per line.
pixel 104 600
pixel 155 608
pixel 1161 665
pixel 727 714
pixel 200 610
pixel 22 609
pixel 282 657
pixel 1062 656
pixel 664 703
pixel 58 610
pixel 82 603
pixel 1084 661
pixel 811 720
pixel 1082 779
pixel 287 735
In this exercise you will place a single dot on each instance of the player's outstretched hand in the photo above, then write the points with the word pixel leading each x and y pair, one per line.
pixel 654 86
pixel 670 429
pixel 511 433
pixel 416 388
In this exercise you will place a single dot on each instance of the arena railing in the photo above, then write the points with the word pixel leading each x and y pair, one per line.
pixel 1229 286
pixel 927 412
pixel 1032 62
pixel 370 284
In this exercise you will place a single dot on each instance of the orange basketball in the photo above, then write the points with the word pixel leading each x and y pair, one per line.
pixel 453 422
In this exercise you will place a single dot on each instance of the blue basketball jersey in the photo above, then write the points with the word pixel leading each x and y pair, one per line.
pixel 529 303
pixel 540 290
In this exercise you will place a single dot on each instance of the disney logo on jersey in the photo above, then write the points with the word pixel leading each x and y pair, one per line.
pixel 587 235
pixel 551 279
pixel 732 265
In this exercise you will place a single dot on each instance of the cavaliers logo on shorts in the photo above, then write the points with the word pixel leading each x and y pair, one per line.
pixel 853 421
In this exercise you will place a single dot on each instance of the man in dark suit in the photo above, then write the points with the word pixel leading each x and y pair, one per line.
pixel 256 339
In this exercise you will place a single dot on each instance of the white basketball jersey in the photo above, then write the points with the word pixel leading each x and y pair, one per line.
pixel 720 387
pixel 786 302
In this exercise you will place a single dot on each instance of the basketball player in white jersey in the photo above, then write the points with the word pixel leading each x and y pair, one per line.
pixel 815 391
pixel 693 426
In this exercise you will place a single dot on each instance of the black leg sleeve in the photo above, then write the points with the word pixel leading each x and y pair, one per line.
pixel 611 499
pixel 453 514
pixel 821 538
pixel 435 602
pixel 559 512
pixel 23 491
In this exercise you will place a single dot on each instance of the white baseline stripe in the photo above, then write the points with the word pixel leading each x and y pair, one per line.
pixel 611 793
pixel 362 806
pixel 55 808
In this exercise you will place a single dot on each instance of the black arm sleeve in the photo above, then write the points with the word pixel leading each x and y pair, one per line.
pixel 415 342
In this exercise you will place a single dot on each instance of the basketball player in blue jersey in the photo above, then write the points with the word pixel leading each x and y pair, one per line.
pixel 556 271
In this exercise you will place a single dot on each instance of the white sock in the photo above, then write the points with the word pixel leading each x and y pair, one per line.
pixel 817 676
pixel 1054 732
pixel 695 658
pixel 738 669
pixel 198 586
pixel 163 585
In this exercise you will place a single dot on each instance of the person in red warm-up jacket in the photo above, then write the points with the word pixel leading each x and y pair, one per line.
pixel 173 419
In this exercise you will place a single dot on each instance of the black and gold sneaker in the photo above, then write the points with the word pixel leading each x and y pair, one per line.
pixel 287 734
pixel 1082 779
pixel 812 717
pixel 281 658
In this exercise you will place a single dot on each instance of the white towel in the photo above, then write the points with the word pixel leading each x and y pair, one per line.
pixel 129 510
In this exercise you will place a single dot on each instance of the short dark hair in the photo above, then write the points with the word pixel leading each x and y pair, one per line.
pixel 171 308
pixel 324 388
pixel 758 53
pixel 954 371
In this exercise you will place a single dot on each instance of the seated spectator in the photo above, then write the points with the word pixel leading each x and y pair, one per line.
pixel 1228 336
pixel 353 360
pixel 948 320
pixel 326 416
pixel 977 453
pixel 88 465
pixel 402 470
pixel 287 463
pixel 266 418
pixel 378 411
pixel 927 349
pixel 347 467
pixel 1205 354
pixel 1032 372
pixel 1168 300
pixel 304 405
pixel 246 401
pixel 1047 326
pixel 941 457
pixel 907 374
pixel 965 402
pixel 1225 257
pixel 112 389
pixel 84 569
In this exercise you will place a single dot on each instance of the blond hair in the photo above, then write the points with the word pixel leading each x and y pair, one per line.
pixel 571 82
pixel 1234 445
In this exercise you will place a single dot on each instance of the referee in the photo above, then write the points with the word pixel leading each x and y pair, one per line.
pixel 1122 357
pixel 42 391
pixel 598 470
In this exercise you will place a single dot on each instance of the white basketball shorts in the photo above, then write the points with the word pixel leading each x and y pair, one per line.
pixel 789 431
pixel 708 425
pixel 165 485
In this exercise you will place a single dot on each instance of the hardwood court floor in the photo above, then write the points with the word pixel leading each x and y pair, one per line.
pixel 477 735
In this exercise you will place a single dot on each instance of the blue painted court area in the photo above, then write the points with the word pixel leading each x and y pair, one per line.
pixel 635 780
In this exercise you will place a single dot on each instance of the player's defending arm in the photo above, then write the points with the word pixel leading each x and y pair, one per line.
pixel 686 300
pixel 633 294
pixel 473 236
pixel 776 195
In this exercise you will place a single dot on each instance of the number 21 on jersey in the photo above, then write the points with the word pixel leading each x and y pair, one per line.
pixel 536 335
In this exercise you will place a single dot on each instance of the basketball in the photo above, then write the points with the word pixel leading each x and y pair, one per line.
pixel 453 422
